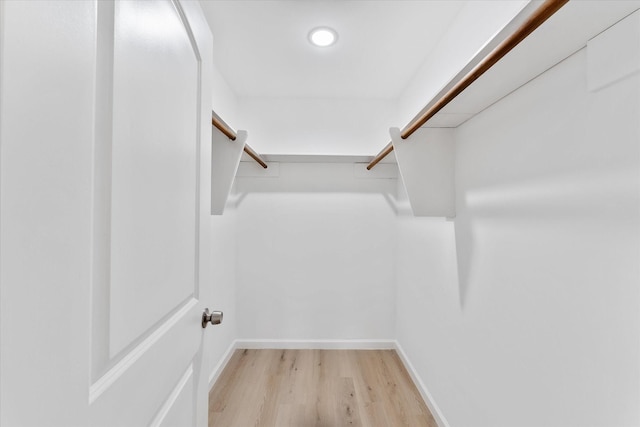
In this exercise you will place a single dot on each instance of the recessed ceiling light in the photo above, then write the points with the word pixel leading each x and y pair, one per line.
pixel 323 36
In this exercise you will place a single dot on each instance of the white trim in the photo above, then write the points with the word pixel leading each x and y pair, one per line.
pixel 318 344
pixel 171 400
pixel 217 370
pixel 318 158
pixel 112 375
pixel 422 388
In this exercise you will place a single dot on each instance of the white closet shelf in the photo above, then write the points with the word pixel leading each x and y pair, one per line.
pixel 425 159
pixel 565 33
pixel 316 158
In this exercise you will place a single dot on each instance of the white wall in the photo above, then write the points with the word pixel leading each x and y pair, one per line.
pixel 525 312
pixel 317 126
pixel 315 265
pixel 223 244
pixel 225 100
pixel 223 265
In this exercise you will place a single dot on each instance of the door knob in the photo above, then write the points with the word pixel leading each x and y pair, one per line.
pixel 215 317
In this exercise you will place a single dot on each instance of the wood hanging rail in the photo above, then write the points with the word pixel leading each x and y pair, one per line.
pixel 537 18
pixel 255 156
pixel 231 134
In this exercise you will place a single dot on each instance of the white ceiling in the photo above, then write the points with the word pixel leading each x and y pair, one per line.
pixel 262 50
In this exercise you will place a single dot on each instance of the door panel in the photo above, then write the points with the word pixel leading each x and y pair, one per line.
pixel 105 192
pixel 154 169
pixel 149 164
pixel 175 411
pixel 134 391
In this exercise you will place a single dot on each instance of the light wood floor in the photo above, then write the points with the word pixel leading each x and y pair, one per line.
pixel 321 388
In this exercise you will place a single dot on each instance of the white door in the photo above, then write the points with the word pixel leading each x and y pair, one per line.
pixel 104 213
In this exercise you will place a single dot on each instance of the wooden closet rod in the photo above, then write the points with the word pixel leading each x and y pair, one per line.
pixel 381 155
pixel 537 18
pixel 231 134
pixel 255 156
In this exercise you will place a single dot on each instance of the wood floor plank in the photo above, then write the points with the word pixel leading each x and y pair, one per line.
pixel 290 415
pixel 316 388
pixel 347 403
pixel 373 414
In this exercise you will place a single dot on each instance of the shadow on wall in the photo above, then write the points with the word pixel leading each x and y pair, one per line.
pixel 508 213
pixel 464 254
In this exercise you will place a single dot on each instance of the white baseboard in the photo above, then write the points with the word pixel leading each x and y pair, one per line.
pixel 215 373
pixel 424 392
pixel 318 344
